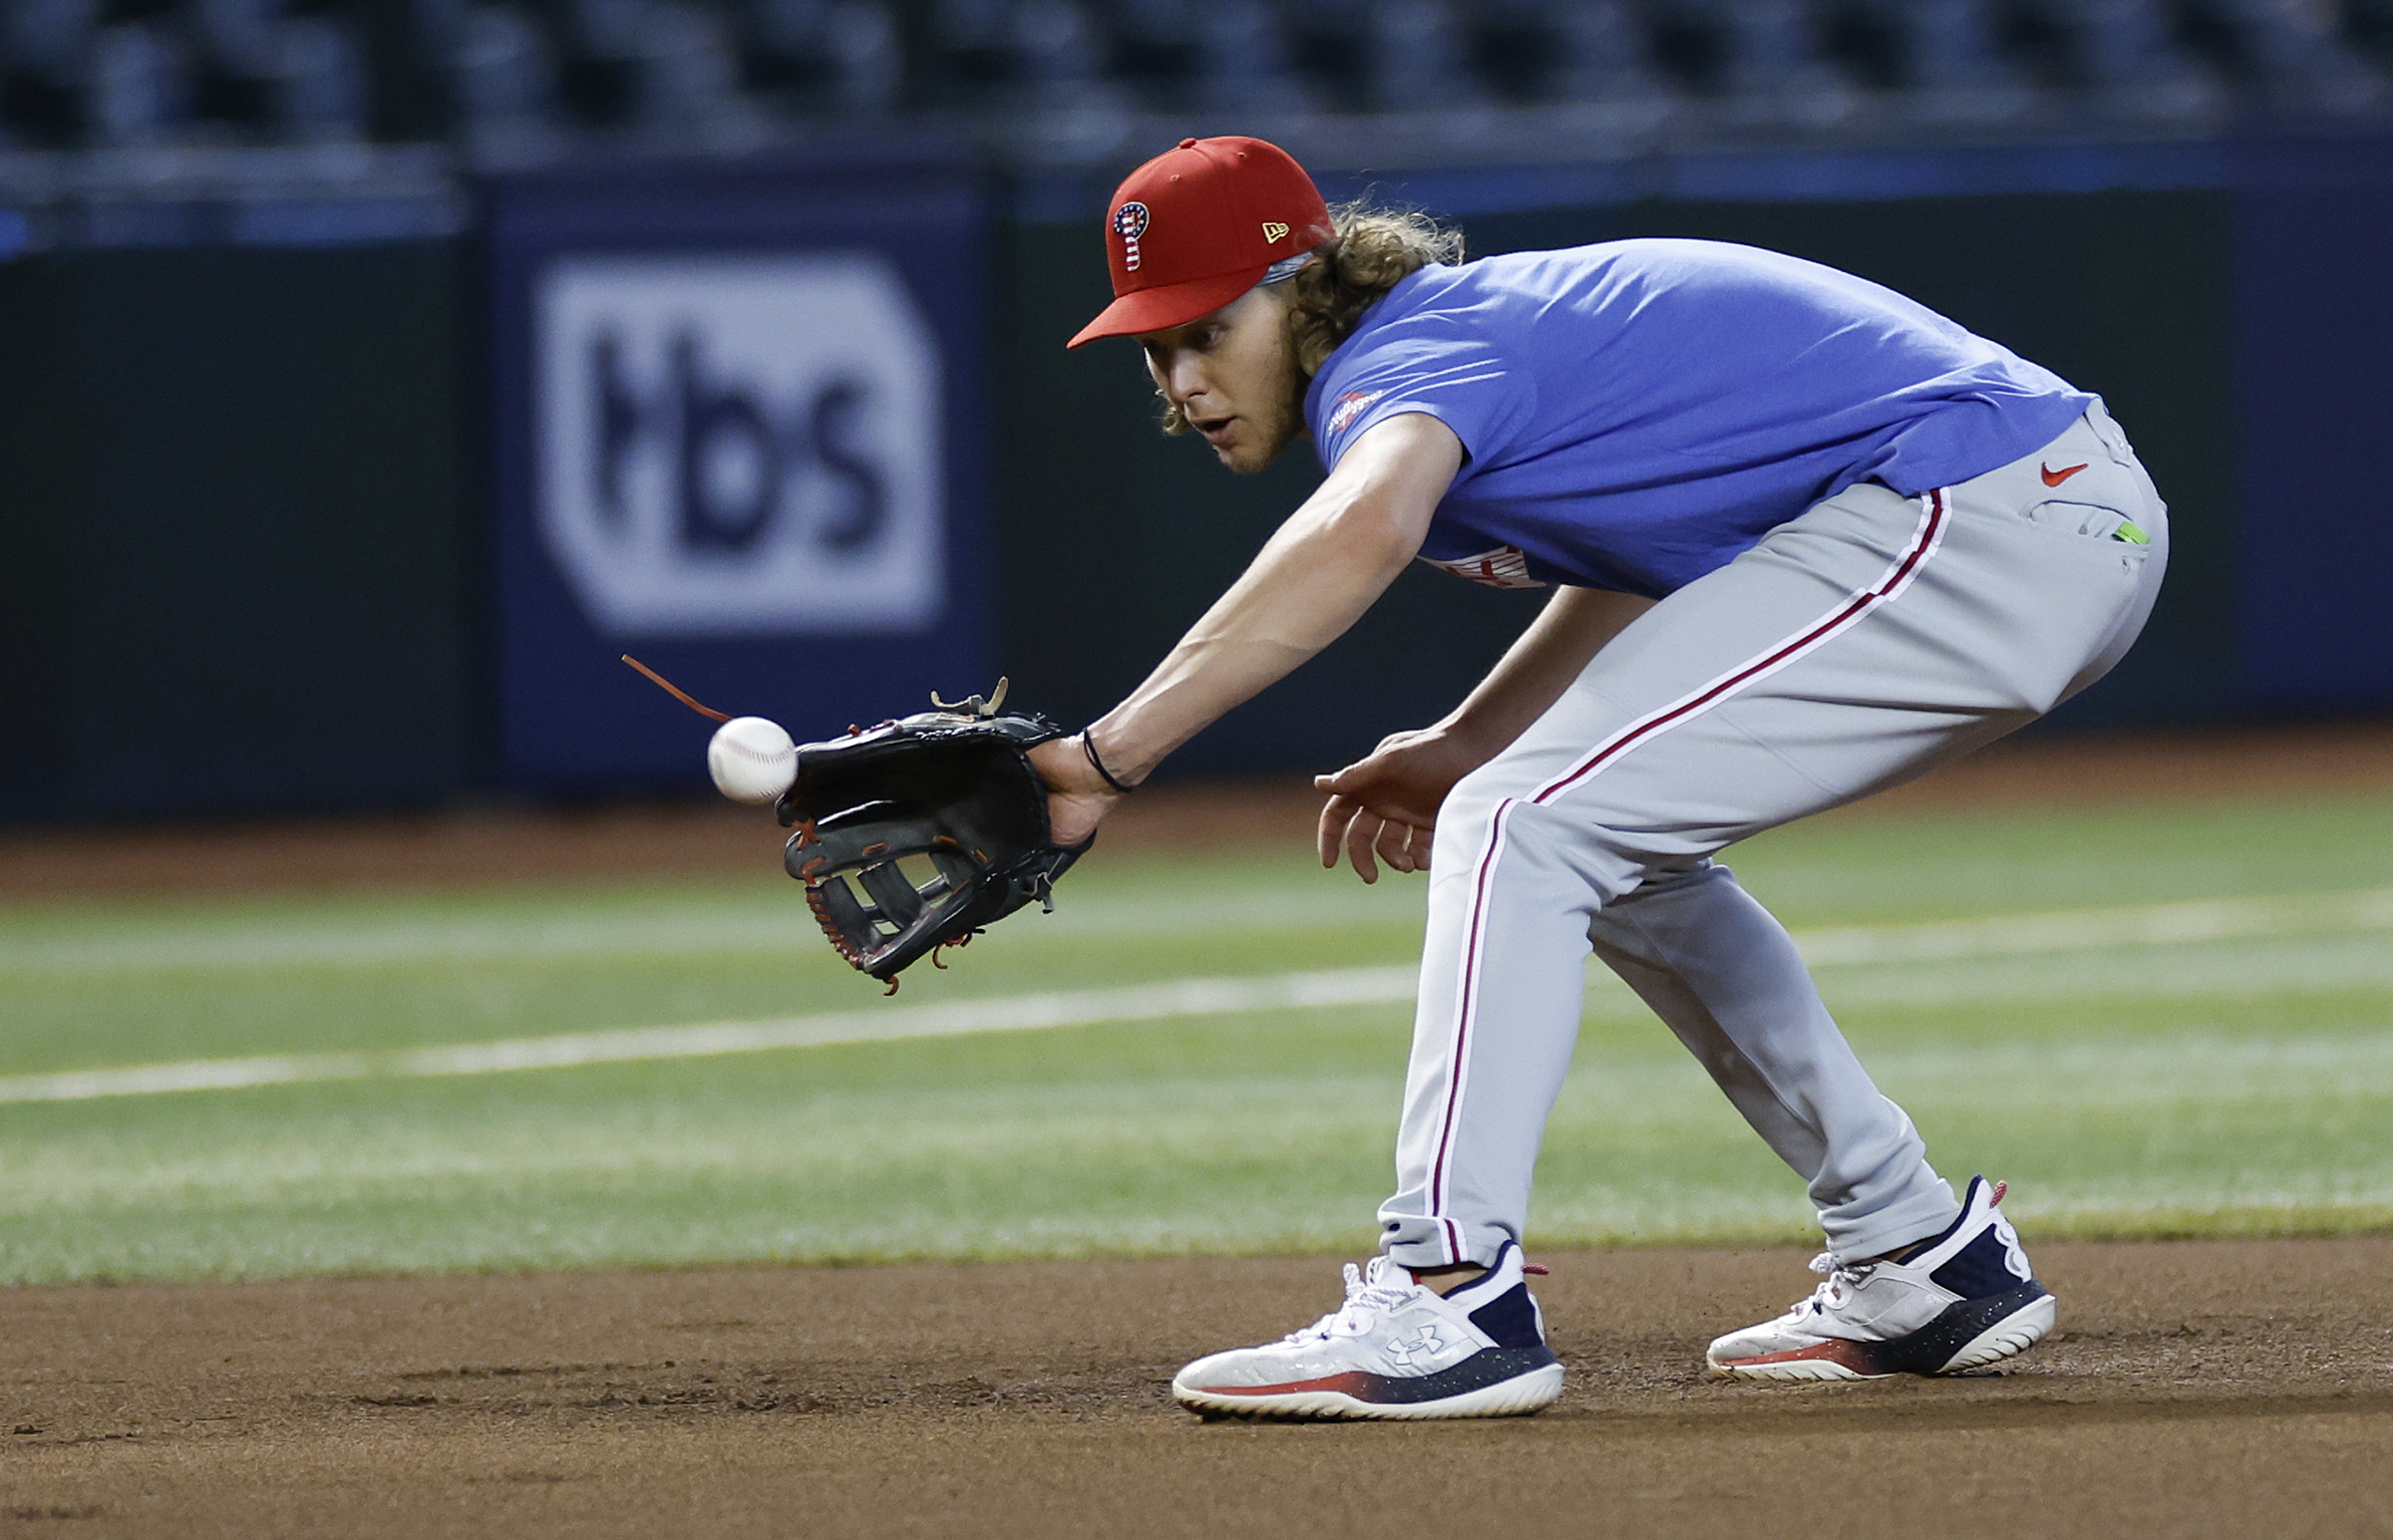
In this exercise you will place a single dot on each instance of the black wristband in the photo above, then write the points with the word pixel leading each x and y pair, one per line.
pixel 1089 746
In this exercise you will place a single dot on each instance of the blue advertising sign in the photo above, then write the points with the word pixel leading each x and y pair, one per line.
pixel 2315 325
pixel 735 437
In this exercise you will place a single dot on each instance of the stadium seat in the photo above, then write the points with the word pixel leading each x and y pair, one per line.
pixel 534 79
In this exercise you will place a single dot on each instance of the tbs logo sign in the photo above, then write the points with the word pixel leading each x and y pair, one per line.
pixel 740 446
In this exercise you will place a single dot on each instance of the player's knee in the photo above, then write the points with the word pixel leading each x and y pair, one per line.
pixel 1479 793
pixel 1487 810
pixel 1471 805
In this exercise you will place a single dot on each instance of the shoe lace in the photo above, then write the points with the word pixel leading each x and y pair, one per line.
pixel 1384 1288
pixel 1839 1279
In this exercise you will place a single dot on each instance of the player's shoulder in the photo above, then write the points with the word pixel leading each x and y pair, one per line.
pixel 1489 289
pixel 1457 301
pixel 1663 258
pixel 1443 317
pixel 1514 306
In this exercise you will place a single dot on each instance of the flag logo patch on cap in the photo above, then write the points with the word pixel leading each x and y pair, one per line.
pixel 1274 231
pixel 1130 223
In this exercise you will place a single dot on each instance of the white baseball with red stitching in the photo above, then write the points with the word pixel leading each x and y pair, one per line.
pixel 751 759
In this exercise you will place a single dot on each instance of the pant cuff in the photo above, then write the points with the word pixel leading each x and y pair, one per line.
pixel 1917 1216
pixel 1418 1241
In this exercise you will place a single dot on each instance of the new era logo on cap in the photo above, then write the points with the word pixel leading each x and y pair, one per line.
pixel 1274 231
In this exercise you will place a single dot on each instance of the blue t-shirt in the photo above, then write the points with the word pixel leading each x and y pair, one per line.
pixel 1637 414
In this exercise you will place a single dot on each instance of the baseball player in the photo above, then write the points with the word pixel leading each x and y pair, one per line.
pixel 1806 539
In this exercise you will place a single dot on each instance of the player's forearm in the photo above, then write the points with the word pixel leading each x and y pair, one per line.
pixel 1532 674
pixel 1312 581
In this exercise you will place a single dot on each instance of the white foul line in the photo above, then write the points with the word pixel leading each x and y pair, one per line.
pixel 1936 940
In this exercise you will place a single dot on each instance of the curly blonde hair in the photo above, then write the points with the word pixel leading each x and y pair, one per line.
pixel 1369 252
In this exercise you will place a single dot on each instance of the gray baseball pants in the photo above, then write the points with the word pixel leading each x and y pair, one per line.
pixel 1860 645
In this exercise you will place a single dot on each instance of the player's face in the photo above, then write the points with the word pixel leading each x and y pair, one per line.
pixel 1232 374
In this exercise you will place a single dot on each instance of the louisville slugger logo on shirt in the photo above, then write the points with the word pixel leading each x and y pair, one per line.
pixel 1350 406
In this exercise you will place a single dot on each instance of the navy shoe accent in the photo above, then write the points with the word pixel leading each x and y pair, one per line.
pixel 1511 1319
pixel 1980 1269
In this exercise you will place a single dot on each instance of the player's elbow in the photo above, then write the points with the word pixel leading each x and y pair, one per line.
pixel 1377 506
pixel 1367 533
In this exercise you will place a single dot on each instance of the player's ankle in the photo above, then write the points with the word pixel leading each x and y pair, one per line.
pixel 1900 1254
pixel 1447 1279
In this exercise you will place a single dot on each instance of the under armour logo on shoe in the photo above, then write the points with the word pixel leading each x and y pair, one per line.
pixel 1424 1343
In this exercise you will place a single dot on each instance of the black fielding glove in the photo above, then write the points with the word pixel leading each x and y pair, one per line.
pixel 916 834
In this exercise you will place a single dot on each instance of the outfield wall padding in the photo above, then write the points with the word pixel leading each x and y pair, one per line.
pixel 246 522
pixel 240 566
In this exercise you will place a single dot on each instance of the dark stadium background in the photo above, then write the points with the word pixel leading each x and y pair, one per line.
pixel 255 311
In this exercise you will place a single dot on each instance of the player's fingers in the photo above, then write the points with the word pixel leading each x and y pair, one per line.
pixel 1336 813
pixel 1354 777
pixel 1393 844
pixel 1416 848
pixel 1359 835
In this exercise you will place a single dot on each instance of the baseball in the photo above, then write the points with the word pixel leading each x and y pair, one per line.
pixel 752 759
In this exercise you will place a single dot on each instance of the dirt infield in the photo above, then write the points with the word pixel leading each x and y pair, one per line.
pixel 2195 1388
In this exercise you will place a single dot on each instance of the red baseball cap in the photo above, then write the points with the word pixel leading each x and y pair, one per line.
pixel 1198 226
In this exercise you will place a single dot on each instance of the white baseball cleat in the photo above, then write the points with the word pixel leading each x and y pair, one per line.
pixel 1395 1349
pixel 1963 1298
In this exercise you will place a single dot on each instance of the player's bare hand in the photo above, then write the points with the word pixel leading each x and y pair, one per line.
pixel 1384 806
pixel 1077 796
pixel 1369 840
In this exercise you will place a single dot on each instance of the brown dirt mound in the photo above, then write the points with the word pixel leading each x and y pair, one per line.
pixel 2194 1389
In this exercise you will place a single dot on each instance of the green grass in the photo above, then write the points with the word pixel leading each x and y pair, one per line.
pixel 2221 1087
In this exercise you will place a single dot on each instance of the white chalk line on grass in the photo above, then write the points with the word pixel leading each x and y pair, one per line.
pixel 633 1045
pixel 712 928
pixel 376 941
pixel 2222 919
pixel 2306 915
